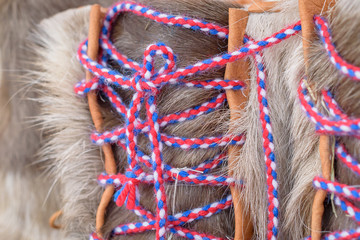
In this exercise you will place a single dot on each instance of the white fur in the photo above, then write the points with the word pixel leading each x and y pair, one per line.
pixel 74 163
pixel 283 64
pixel 26 201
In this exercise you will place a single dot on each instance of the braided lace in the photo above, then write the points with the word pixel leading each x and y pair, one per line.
pixel 146 83
pixel 338 124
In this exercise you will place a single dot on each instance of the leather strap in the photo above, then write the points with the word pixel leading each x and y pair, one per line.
pixel 237 99
pixel 307 9
pixel 96 16
pixel 261 7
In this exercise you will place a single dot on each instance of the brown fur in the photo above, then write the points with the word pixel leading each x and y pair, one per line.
pixel 305 162
pixel 71 163
pixel 344 21
pixel 133 34
pixel 131 38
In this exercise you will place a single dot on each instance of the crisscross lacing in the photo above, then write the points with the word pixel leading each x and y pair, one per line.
pixel 339 124
pixel 146 83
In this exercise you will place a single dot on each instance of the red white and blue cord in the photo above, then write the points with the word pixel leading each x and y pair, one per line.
pixel 337 123
pixel 147 82
pixel 340 63
pixel 268 145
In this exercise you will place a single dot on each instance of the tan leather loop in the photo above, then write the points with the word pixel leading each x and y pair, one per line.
pixel 261 7
pixel 307 9
pixel 96 16
pixel 53 219
pixel 237 100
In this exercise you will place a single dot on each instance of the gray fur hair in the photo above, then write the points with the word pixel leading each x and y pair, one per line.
pixel 344 22
pixel 71 158
pixel 25 202
pixel 64 171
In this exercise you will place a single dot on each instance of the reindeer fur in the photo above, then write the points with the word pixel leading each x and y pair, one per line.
pixel 344 22
pixel 26 202
pixel 70 163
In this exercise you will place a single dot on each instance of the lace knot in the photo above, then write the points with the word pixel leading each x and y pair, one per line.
pixel 146 80
pixel 128 194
